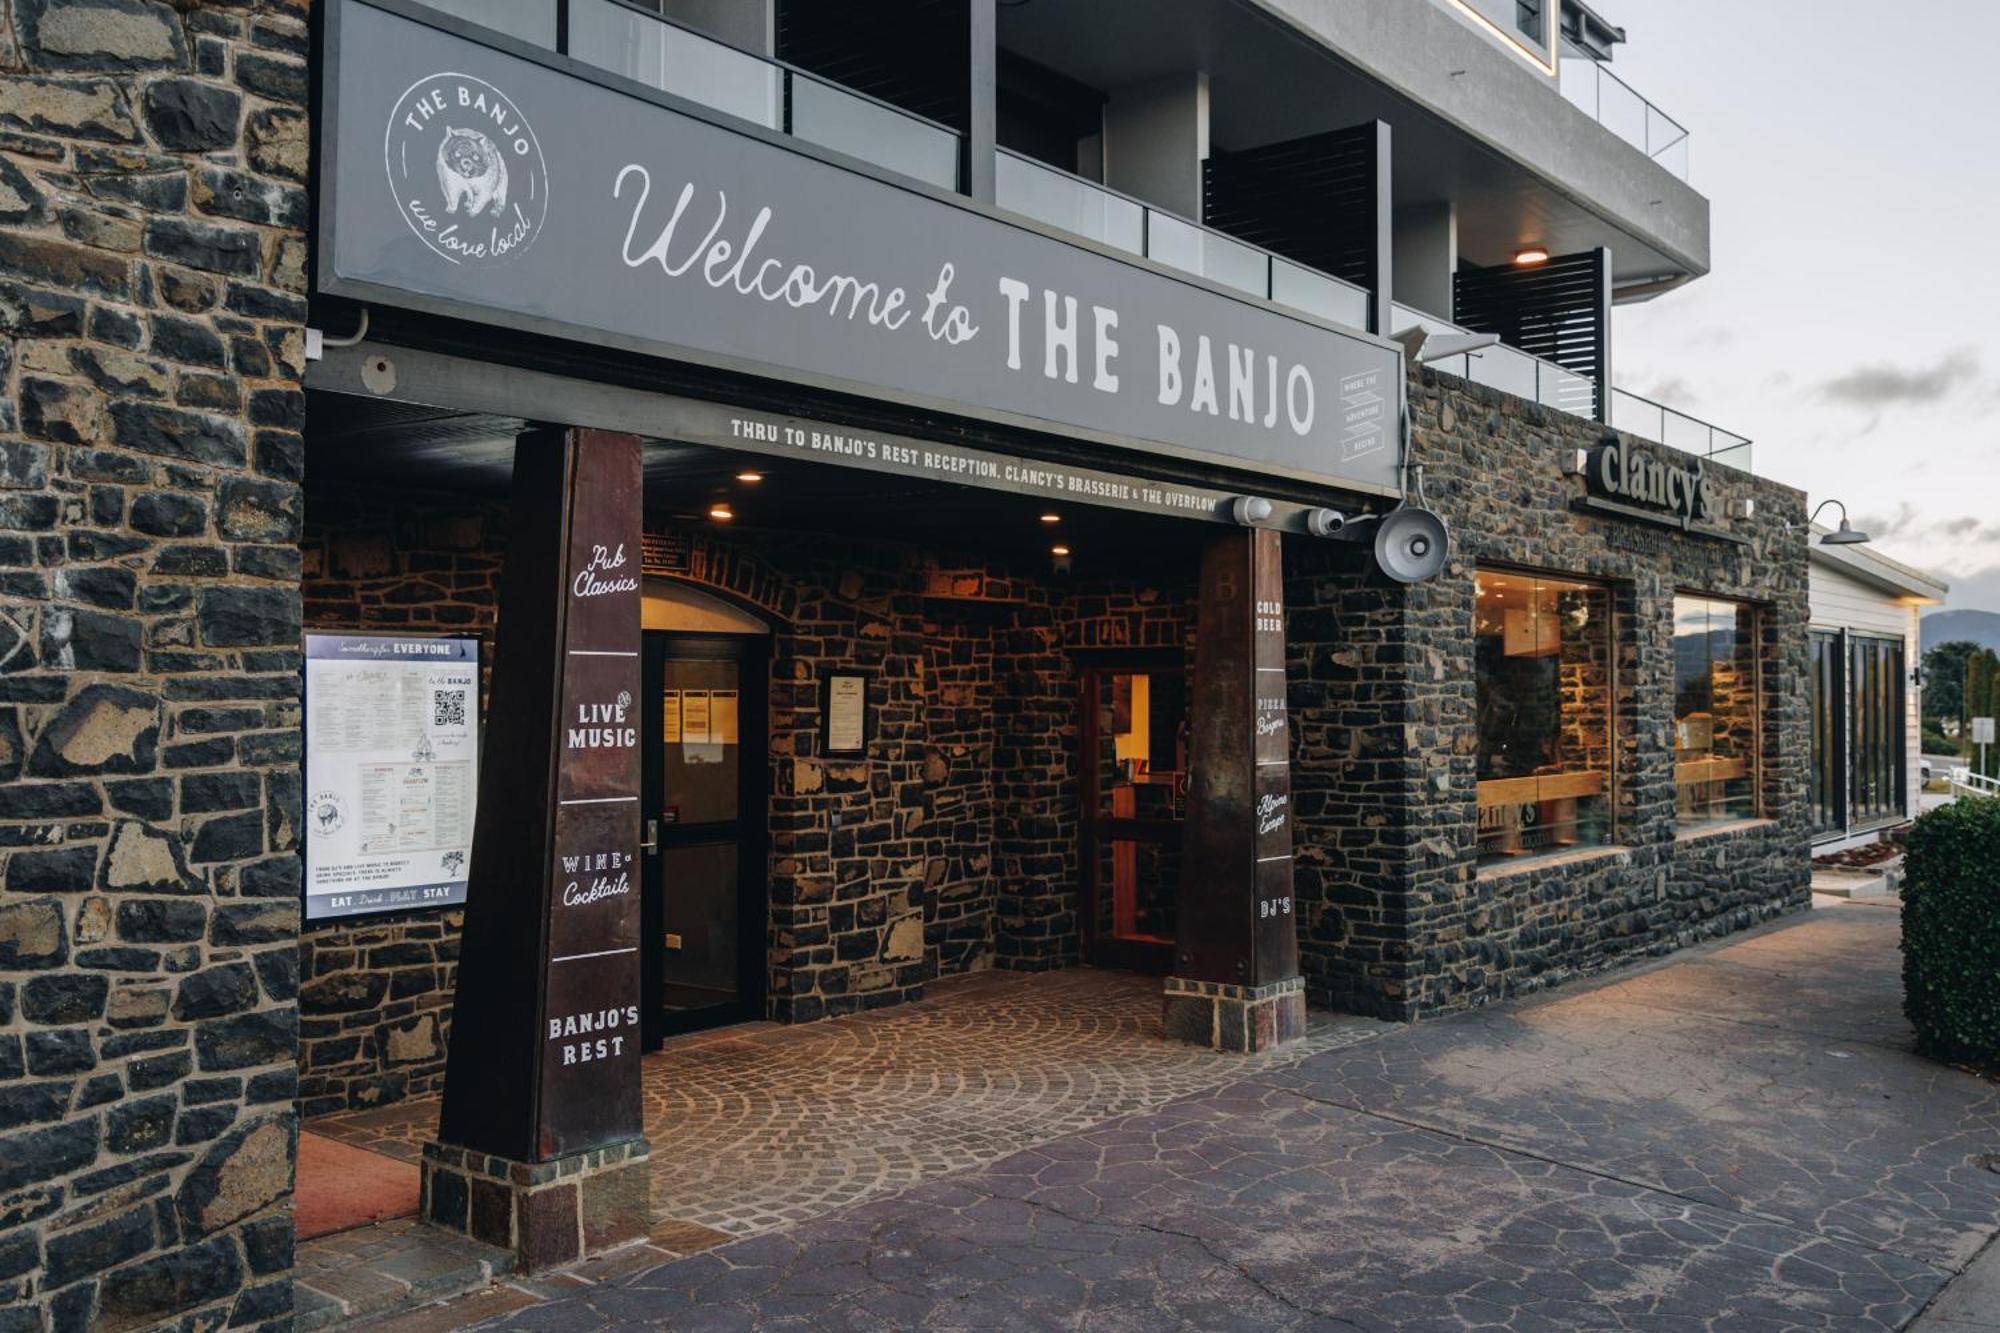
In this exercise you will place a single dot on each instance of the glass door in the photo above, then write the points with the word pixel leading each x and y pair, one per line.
pixel 703 796
pixel 1827 679
pixel 1879 766
pixel 1133 740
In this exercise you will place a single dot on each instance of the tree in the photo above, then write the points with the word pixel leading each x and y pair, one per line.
pixel 1944 680
pixel 1982 699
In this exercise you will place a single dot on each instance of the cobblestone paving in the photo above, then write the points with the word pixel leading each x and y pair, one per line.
pixel 763 1126
pixel 1737 1140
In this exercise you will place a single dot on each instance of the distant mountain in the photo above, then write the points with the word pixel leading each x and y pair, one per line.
pixel 1981 627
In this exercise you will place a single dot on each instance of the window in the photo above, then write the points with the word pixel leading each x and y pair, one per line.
pixel 1715 711
pixel 1880 729
pixel 1528 19
pixel 1827 682
pixel 1544 662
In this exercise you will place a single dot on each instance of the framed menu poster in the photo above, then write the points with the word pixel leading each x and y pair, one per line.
pixel 845 708
pixel 391 772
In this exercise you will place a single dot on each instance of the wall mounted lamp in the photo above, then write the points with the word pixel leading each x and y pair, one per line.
pixel 1845 535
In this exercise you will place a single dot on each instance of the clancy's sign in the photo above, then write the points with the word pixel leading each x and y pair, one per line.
pixel 467 181
pixel 1648 486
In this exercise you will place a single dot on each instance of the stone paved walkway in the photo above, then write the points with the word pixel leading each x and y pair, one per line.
pixel 763 1125
pixel 1737 1139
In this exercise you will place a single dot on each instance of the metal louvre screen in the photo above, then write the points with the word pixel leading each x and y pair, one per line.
pixel 1558 310
pixel 1311 200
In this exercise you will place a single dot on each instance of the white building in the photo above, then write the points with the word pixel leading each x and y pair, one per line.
pixel 1866 738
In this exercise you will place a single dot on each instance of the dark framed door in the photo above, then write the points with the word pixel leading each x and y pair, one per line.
pixel 1878 767
pixel 1132 767
pixel 703 795
pixel 1827 679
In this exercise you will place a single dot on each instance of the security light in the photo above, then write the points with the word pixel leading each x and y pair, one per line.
pixel 1424 347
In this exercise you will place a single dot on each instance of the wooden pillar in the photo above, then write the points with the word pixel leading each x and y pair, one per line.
pixel 1236 983
pixel 541 1147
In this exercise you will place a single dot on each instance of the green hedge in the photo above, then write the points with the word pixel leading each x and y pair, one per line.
pixel 1951 931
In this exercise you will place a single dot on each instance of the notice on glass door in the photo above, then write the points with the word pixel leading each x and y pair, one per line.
pixel 670 717
pixel 391 772
pixel 722 717
pixel 694 717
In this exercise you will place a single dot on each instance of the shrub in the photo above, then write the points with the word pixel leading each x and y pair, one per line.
pixel 1936 742
pixel 1951 931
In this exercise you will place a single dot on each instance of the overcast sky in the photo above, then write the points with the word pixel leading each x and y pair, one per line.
pixel 1850 153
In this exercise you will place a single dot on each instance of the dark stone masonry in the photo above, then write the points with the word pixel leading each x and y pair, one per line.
pixel 1398 920
pixel 152 271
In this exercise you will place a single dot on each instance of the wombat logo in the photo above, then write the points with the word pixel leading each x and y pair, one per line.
pixel 472 172
pixel 328 813
pixel 466 169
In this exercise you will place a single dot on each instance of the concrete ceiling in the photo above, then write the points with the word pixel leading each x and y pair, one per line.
pixel 1268 84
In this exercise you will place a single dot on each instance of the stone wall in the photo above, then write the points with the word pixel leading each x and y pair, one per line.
pixel 1397 919
pixel 152 259
pixel 375 993
pixel 952 844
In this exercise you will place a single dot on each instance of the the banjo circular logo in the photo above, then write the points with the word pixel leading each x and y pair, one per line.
pixel 466 169
pixel 328 812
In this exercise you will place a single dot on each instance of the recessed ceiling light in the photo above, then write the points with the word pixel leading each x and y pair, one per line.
pixel 1059 550
pixel 721 513
pixel 1531 255
pixel 752 477
pixel 1051 518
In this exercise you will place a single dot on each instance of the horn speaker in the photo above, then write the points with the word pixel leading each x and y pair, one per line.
pixel 1411 544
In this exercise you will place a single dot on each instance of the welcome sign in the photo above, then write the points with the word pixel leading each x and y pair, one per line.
pixel 471 181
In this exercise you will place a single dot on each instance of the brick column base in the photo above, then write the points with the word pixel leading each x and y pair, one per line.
pixel 545 1213
pixel 1226 1017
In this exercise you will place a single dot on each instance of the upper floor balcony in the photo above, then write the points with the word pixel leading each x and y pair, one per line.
pixel 1052 127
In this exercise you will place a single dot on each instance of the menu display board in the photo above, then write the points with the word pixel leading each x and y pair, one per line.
pixel 391 772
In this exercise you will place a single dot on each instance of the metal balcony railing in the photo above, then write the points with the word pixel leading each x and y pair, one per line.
pixel 1508 369
pixel 1656 421
pixel 640 45
pixel 1610 101
pixel 1085 208
pixel 1514 371
pixel 623 39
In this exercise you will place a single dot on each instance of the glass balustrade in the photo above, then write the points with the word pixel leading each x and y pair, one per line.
pixel 1319 294
pixel 1656 421
pixel 530 20
pixel 628 41
pixel 638 45
pixel 1607 99
pixel 1022 185
pixel 675 60
pixel 1034 189
pixel 873 131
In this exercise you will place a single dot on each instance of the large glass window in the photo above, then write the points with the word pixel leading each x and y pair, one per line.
pixel 1545 665
pixel 1715 711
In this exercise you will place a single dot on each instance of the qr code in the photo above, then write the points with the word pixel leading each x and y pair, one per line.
pixel 447 708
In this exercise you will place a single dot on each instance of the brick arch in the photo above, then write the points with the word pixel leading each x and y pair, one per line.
pixel 737 576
